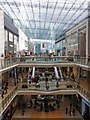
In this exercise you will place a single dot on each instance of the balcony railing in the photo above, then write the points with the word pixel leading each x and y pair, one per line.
pixel 6 62
pixel 22 87
pixel 7 99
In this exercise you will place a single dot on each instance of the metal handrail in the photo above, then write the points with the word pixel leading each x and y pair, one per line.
pixel 6 62
pixel 4 102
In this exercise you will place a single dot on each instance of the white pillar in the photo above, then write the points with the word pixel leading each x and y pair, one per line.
pixel 89 36
pixel 66 47
pixel 2 34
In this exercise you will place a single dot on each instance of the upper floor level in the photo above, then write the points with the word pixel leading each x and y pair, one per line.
pixel 63 61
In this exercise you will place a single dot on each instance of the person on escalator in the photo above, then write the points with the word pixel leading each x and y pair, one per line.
pixel 73 77
pixel 46 81
pixel 31 103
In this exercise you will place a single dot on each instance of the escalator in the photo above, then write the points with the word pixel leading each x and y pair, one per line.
pixel 56 73
pixel 60 73
pixel 33 72
pixel 61 76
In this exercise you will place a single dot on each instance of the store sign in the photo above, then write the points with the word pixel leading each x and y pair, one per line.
pixel 43 45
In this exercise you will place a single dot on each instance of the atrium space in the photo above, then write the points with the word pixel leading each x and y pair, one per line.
pixel 44 59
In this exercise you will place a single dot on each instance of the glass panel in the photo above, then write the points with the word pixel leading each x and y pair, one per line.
pixel 46 11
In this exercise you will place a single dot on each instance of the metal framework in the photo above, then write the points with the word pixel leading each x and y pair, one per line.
pixel 45 19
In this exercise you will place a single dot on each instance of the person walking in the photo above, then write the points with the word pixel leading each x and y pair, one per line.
pixel 73 111
pixel 5 89
pixel 2 94
pixel 70 106
pixel 70 111
pixel 66 110
pixel 31 103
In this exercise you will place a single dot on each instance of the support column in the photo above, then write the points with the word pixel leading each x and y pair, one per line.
pixel 87 39
pixel 78 44
pixel 66 47
pixel 88 79
pixel 78 75
pixel 2 34
pixel 33 72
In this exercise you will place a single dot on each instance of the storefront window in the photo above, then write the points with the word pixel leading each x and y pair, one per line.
pixel 82 40
pixel 15 43
pixel 10 37
pixel 72 43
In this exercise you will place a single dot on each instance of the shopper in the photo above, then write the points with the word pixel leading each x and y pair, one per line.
pixel 2 94
pixel 46 81
pixel 5 89
pixel 7 84
pixel 73 111
pixel 66 110
pixel 70 106
pixel 73 77
pixel 31 103
pixel 23 108
pixel 41 107
pixel 70 111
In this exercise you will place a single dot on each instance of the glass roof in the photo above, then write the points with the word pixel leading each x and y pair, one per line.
pixel 45 19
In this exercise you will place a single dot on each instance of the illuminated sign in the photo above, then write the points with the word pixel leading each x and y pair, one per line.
pixel 43 45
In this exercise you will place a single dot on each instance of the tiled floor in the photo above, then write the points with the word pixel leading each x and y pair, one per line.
pixel 58 113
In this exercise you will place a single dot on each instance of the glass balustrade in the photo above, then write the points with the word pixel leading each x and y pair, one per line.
pixel 42 87
pixel 43 59
pixel 5 101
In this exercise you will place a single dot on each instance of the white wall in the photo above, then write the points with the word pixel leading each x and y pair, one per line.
pixel 24 43
pixel 2 39
pixel 22 39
